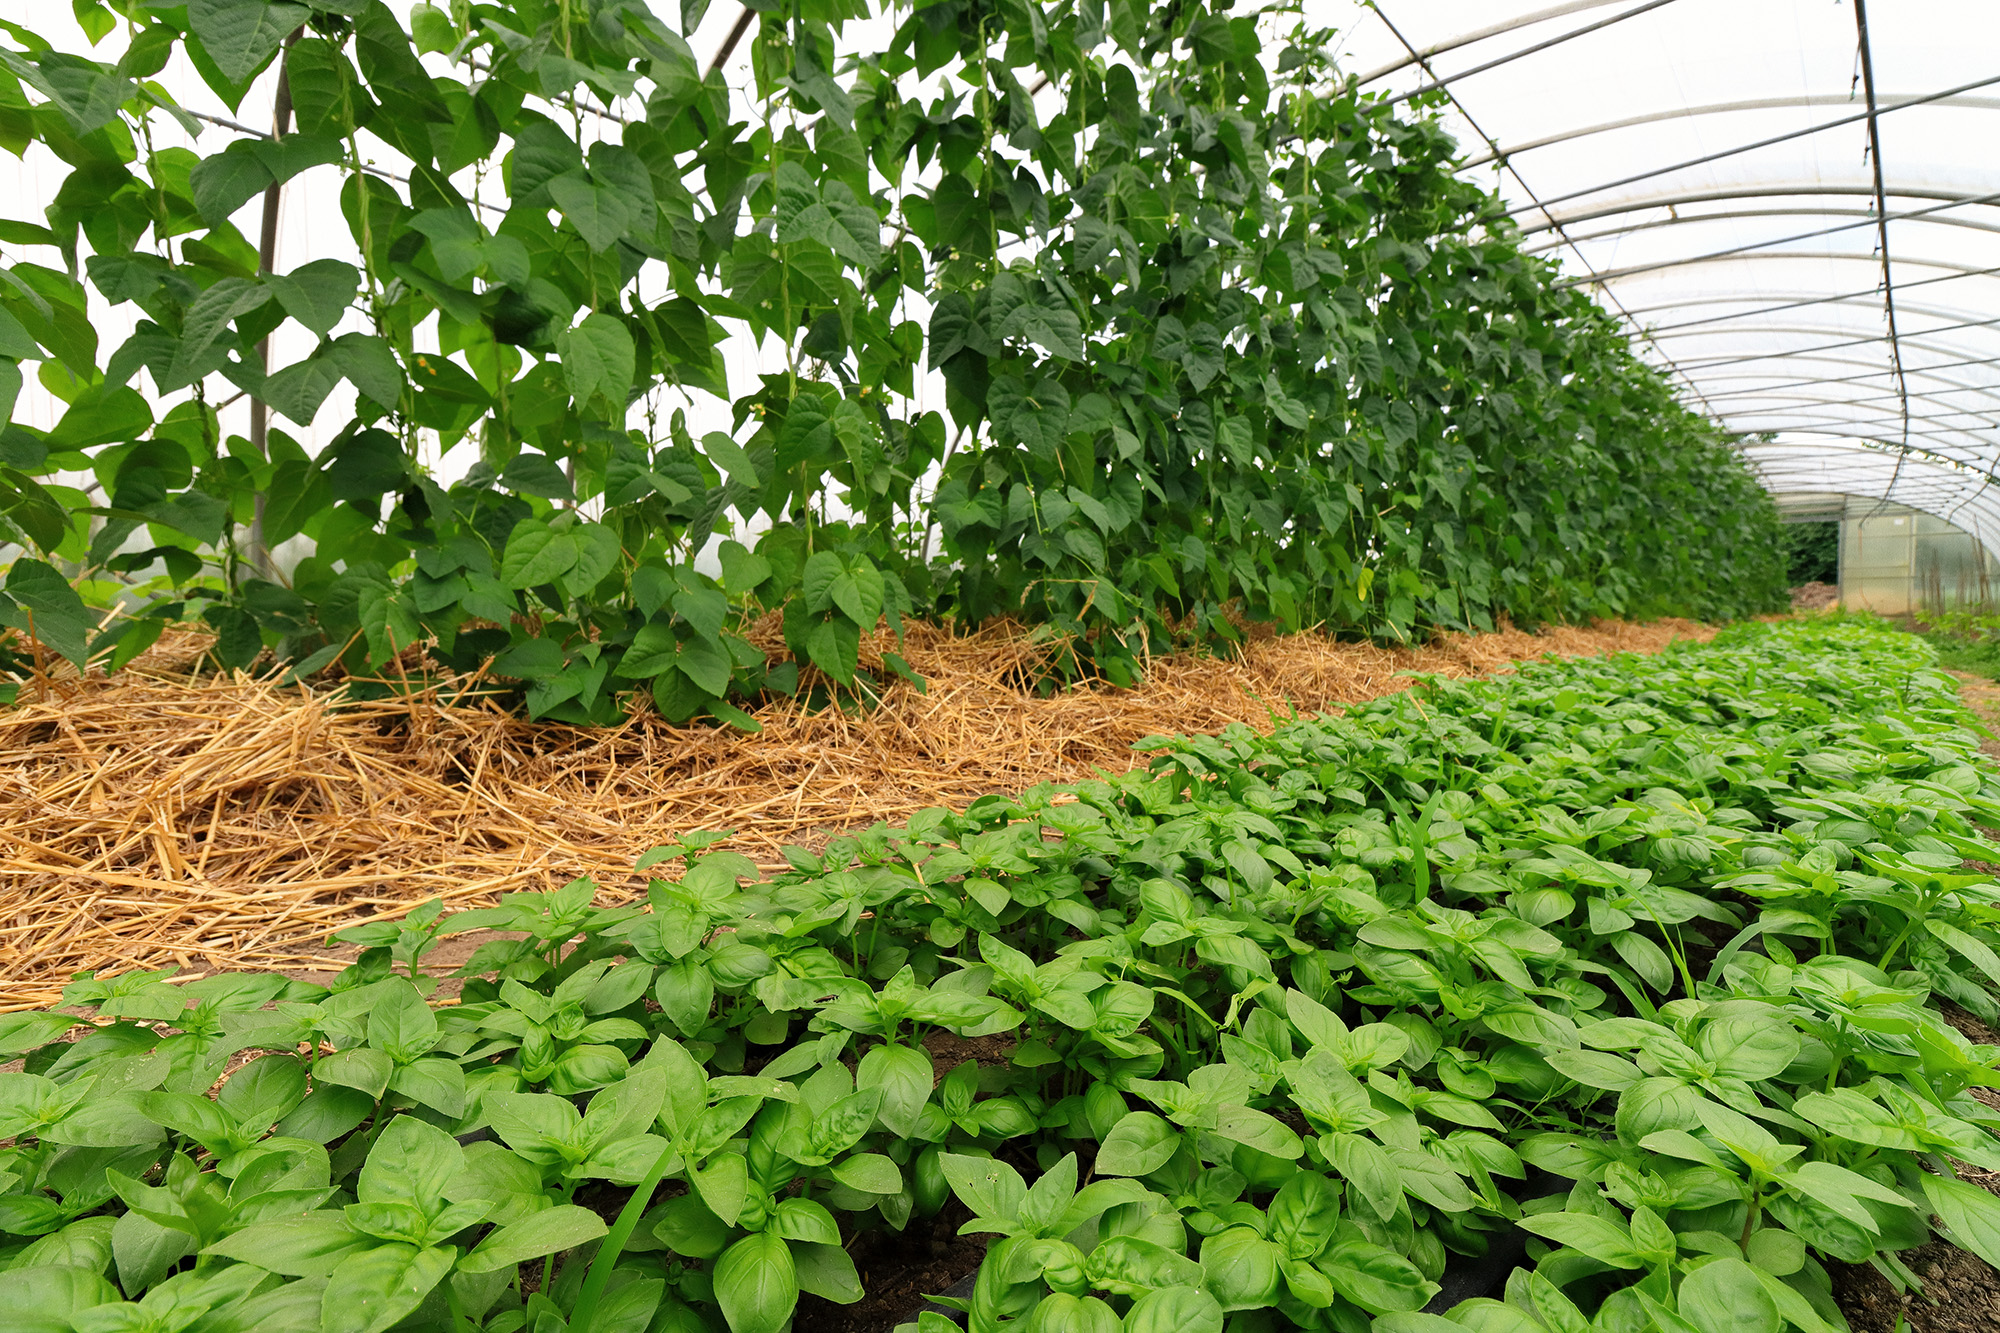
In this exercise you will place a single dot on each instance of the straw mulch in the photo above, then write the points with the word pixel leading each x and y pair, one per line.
pixel 152 819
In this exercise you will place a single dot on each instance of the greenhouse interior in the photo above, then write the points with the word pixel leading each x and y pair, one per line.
pixel 799 666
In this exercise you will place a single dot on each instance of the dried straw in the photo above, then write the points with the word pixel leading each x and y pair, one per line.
pixel 151 819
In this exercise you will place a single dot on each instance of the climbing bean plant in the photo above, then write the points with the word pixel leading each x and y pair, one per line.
pixel 1219 338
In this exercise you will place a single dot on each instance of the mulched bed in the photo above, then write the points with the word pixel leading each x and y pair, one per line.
pixel 158 819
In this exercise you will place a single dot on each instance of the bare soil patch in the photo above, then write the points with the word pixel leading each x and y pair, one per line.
pixel 1961 1294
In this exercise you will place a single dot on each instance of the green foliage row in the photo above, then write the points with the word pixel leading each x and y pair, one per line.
pixel 1964 638
pixel 1213 338
pixel 1291 1020
pixel 1812 552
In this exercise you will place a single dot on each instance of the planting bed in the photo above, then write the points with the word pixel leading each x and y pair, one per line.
pixel 149 820
pixel 1645 957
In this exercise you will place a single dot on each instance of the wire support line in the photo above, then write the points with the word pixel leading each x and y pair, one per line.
pixel 1969 454
pixel 1557 40
pixel 1872 220
pixel 1856 379
pixel 1779 190
pixel 1840 320
pixel 1872 445
pixel 1706 362
pixel 1869 115
pixel 1811 410
pixel 1424 63
pixel 1819 411
pixel 1619 233
pixel 1500 29
pixel 1804 304
pixel 1837 317
pixel 1979 433
pixel 1869 445
pixel 1979 438
pixel 1933 398
pixel 1787 400
pixel 1991 389
pixel 1706 109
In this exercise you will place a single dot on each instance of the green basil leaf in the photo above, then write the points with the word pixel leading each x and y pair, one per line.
pixel 756 1284
pixel 563 1227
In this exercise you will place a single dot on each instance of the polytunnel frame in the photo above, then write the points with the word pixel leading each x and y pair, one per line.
pixel 1939 455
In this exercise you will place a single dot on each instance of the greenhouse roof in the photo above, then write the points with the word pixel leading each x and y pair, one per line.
pixel 1793 204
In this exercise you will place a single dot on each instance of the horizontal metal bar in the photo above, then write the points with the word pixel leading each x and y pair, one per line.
pixel 1833 346
pixel 1844 257
pixel 1973 450
pixel 1773 191
pixel 1971 441
pixel 1991 390
pixel 1928 311
pixel 1824 359
pixel 1851 379
pixel 1942 488
pixel 1929 216
pixel 1793 305
pixel 1786 137
pixel 1835 322
pixel 1887 446
pixel 1818 410
pixel 1980 436
pixel 1511 57
pixel 1868 221
pixel 1945 508
pixel 1709 109
pixel 1466 39
pixel 1974 477
pixel 1931 396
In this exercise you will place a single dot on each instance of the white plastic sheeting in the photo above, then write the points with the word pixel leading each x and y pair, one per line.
pixel 1756 276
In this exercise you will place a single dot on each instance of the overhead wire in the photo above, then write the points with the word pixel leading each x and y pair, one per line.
pixel 1787 137
pixel 1513 24
pixel 1895 369
pixel 1868 375
pixel 1778 191
pixel 1857 379
pixel 1707 109
pixel 1423 62
pixel 1803 303
pixel 1931 216
pixel 1511 57
pixel 1872 220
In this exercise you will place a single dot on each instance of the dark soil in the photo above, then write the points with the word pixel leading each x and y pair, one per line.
pixel 898 1271
pixel 948 1052
pixel 1961 1294
pixel 1970 1026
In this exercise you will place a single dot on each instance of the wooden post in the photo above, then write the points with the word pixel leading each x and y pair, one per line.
pixel 267 260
